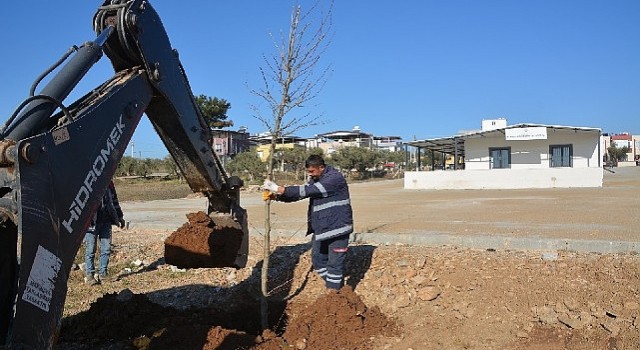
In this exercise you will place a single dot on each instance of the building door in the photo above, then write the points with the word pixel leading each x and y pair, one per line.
pixel 500 158
pixel 560 156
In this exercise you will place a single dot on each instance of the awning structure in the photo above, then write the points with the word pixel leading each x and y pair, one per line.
pixel 447 145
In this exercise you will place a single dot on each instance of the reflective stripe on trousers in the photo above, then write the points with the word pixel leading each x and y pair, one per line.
pixel 328 257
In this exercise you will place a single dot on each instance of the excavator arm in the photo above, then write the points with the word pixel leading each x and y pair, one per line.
pixel 55 168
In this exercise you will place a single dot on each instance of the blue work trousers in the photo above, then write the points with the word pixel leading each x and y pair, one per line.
pixel 328 257
pixel 101 231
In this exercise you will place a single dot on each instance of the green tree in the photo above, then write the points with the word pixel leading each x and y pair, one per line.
pixel 355 158
pixel 291 160
pixel 142 167
pixel 214 111
pixel 426 159
pixel 170 166
pixel 315 151
pixel 126 167
pixel 397 158
pixel 247 166
pixel 285 158
pixel 130 166
pixel 618 154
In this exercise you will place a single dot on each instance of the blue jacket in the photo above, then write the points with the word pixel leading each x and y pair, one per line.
pixel 109 211
pixel 330 214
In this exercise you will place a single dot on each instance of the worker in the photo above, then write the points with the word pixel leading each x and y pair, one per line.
pixel 108 213
pixel 329 217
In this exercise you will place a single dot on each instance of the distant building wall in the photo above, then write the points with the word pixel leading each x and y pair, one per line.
pixel 265 150
pixel 227 143
pixel 534 154
pixel 492 124
pixel 504 178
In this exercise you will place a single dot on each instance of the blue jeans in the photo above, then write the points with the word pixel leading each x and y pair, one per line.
pixel 328 258
pixel 102 231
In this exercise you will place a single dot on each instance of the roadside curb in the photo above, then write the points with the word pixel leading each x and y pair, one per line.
pixel 501 242
pixel 433 239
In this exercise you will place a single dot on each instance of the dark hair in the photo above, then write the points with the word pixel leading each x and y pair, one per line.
pixel 314 160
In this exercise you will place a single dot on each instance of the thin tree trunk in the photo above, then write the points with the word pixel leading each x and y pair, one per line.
pixel 264 305
pixel 294 62
pixel 266 252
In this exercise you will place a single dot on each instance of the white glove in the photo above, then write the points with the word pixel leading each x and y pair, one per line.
pixel 270 186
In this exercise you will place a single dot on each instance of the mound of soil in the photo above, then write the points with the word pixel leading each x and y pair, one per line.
pixel 336 320
pixel 201 242
pixel 130 321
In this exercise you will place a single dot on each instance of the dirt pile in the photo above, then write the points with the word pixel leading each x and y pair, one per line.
pixel 338 320
pixel 130 321
pixel 201 242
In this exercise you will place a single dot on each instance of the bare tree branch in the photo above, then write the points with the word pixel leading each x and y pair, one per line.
pixel 290 81
pixel 292 76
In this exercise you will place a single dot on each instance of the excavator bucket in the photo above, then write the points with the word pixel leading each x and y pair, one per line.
pixel 214 240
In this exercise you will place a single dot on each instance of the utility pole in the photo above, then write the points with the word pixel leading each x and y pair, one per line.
pixel 131 143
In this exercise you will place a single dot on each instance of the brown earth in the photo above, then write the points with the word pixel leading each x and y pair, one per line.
pixel 127 320
pixel 398 296
pixel 201 242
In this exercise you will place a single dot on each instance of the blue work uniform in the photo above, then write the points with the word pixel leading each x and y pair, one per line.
pixel 329 219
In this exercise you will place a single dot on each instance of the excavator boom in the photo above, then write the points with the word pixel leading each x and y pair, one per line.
pixel 55 168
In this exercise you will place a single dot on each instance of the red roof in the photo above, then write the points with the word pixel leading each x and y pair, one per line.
pixel 621 137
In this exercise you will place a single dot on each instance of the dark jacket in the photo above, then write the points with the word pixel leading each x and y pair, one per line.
pixel 330 214
pixel 109 210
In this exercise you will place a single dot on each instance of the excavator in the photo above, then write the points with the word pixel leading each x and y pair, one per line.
pixel 57 160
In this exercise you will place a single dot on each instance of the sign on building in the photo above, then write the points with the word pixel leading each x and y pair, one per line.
pixel 531 133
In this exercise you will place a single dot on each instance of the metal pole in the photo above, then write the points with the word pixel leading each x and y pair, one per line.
pixel 455 154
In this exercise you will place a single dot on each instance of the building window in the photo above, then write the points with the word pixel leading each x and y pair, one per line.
pixel 218 148
pixel 500 158
pixel 560 156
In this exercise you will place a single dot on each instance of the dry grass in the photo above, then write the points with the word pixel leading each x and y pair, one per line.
pixel 150 189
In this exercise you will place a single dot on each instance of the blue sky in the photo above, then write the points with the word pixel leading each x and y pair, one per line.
pixel 418 68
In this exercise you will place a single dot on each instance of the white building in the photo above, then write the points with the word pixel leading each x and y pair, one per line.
pixel 332 141
pixel 388 143
pixel 515 156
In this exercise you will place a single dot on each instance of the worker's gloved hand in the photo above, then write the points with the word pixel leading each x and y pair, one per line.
pixel 270 186
pixel 121 223
pixel 268 195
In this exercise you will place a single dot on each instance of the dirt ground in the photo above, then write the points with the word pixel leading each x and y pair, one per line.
pixel 398 296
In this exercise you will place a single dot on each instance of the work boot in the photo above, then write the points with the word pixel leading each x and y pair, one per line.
pixel 91 280
pixel 104 278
